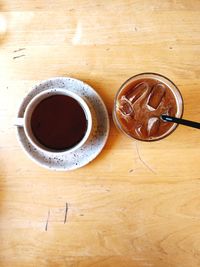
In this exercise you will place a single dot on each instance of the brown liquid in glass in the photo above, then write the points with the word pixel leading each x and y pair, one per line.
pixel 140 105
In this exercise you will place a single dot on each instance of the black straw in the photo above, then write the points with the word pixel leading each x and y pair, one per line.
pixel 181 121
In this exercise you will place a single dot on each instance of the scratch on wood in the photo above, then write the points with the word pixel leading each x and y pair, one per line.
pixel 20 49
pixel 18 56
pixel 66 211
pixel 143 162
pixel 47 222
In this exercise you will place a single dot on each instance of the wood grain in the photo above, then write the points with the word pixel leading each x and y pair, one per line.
pixel 137 204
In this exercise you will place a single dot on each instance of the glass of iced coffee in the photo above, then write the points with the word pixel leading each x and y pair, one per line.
pixel 141 101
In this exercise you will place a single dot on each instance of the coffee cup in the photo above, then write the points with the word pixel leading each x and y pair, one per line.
pixel 58 110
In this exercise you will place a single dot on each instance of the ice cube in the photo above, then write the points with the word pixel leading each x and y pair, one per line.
pixel 125 107
pixel 153 126
pixel 137 91
pixel 141 129
pixel 156 95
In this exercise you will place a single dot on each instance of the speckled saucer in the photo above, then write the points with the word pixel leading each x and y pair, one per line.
pixel 91 148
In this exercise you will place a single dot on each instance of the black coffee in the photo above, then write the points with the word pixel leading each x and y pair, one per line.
pixel 59 122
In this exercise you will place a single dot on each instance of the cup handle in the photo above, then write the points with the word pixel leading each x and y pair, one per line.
pixel 19 122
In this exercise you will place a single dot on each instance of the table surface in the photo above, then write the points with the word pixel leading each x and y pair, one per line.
pixel 137 204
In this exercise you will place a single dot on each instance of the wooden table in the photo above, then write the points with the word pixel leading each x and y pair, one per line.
pixel 137 204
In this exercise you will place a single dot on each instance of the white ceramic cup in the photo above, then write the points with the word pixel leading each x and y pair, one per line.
pixel 25 122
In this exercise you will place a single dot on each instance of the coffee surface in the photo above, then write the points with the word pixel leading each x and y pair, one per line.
pixel 140 105
pixel 59 122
